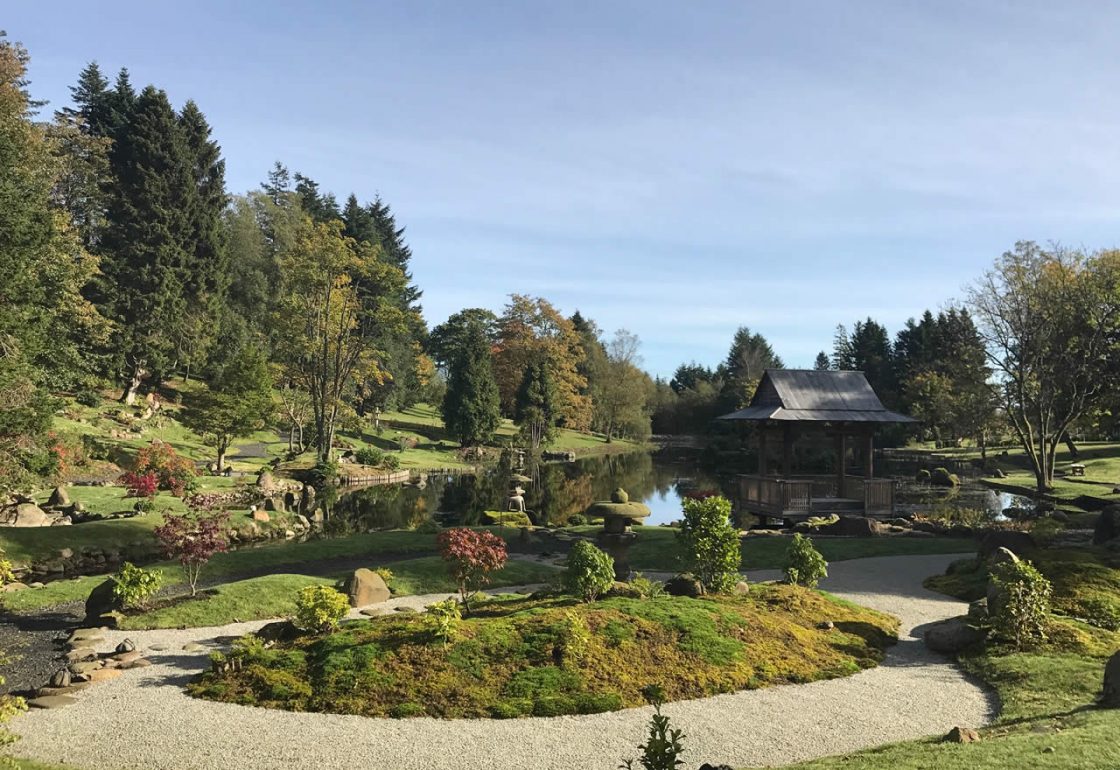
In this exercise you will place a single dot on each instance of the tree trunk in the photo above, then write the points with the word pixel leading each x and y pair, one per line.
pixel 1073 451
pixel 128 398
pixel 223 447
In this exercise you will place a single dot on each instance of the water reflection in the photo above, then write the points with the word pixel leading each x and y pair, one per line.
pixel 554 492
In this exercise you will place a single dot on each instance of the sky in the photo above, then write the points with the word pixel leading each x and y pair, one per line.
pixel 675 169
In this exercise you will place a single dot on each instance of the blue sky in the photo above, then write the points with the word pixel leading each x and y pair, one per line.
pixel 677 169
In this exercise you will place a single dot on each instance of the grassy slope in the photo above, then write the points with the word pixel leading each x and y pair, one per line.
pixel 515 657
pixel 1047 695
pixel 273 596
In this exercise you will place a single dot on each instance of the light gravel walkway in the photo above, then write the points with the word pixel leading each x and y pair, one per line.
pixel 143 720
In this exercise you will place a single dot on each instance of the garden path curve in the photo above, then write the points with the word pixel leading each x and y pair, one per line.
pixel 143 720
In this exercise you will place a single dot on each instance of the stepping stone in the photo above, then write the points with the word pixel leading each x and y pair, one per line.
pixel 82 653
pixel 127 657
pixel 193 647
pixel 84 633
pixel 86 666
pixel 158 647
pixel 46 692
pixel 138 663
pixel 51 702
pixel 103 675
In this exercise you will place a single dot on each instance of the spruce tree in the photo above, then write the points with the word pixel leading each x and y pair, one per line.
pixel 470 405
pixel 145 245
pixel 537 407
pixel 822 363
pixel 93 100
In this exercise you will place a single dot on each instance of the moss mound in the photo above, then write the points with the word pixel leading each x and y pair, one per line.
pixel 627 510
pixel 544 657
pixel 507 518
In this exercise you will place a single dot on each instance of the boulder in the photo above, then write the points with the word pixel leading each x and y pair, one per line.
pixel 279 631
pixel 265 481
pixel 25 515
pixel 952 636
pixel 61 678
pixel 1110 695
pixel 307 499
pixel 962 735
pixel 366 587
pixel 742 588
pixel 1019 543
pixel 103 674
pixel 1108 525
pixel 58 498
pixel 261 516
pixel 684 585
pixel 126 646
pixel 85 667
pixel 101 602
pixel 273 504
pixel 854 526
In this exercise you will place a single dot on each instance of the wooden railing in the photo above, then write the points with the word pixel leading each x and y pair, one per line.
pixel 766 494
pixel 878 496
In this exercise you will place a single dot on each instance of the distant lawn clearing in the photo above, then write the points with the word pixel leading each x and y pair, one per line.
pixel 546 657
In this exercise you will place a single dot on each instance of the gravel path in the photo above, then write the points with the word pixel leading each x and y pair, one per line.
pixel 143 720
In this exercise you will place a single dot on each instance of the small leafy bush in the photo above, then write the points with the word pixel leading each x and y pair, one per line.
pixel 321 608
pixel 575 639
pixel 646 588
pixel 443 620
pixel 1023 605
pixel 923 476
pixel 144 506
pixel 664 747
pixel 429 527
pixel 804 564
pixel 140 484
pixel 134 586
pixel 589 572
pixel 1101 613
pixel 711 543
pixel 175 473
pixel 391 462
pixel 576 520
pixel 88 397
pixel 369 456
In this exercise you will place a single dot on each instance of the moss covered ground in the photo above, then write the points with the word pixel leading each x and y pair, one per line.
pixel 548 656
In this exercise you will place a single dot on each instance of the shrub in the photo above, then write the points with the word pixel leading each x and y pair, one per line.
pixel 923 476
pixel 193 540
pixel 369 455
pixel 324 473
pixel 174 473
pixel 942 478
pixel 429 527
pixel 576 520
pixel 391 462
pixel 443 620
pixel 711 543
pixel 804 564
pixel 471 556
pixel 88 397
pixel 1102 613
pixel 321 608
pixel 1023 604
pixel 133 585
pixel 589 572
pixel 144 506
pixel 575 639
pixel 140 484
pixel 646 588
pixel 663 749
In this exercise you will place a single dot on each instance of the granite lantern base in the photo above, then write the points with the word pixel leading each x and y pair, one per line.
pixel 617 546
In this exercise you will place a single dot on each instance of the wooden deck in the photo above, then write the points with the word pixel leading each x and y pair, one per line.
pixel 800 497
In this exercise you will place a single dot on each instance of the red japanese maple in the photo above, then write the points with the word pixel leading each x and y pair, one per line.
pixel 193 540
pixel 471 556
pixel 140 484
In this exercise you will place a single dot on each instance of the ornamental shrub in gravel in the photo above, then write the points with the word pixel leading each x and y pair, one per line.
pixel 711 543
pixel 321 608
pixel 589 572
pixel 1024 603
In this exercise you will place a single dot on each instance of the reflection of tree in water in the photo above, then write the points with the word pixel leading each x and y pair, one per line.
pixel 555 492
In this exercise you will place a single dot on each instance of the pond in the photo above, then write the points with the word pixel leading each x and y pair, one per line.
pixel 555 492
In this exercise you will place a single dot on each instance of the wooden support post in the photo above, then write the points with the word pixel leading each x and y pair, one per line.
pixel 761 451
pixel 787 451
pixel 869 451
pixel 841 454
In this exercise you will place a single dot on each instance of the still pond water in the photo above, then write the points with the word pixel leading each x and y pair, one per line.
pixel 556 491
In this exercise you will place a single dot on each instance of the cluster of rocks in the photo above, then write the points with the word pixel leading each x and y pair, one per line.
pixel 86 667
pixel 22 511
pixel 89 560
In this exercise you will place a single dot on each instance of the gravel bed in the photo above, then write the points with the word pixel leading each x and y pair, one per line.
pixel 144 721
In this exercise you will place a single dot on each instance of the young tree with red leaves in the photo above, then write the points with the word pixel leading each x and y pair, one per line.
pixel 471 556
pixel 193 540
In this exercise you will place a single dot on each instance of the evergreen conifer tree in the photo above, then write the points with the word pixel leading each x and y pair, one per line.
pixel 470 405
pixel 537 407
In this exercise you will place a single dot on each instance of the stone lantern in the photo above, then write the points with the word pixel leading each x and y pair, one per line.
pixel 618 515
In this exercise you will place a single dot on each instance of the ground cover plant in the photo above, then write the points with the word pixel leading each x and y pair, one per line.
pixel 517 656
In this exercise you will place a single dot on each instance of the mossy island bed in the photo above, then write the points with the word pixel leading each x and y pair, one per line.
pixel 516 656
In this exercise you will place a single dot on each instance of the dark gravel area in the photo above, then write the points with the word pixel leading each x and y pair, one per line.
pixel 32 645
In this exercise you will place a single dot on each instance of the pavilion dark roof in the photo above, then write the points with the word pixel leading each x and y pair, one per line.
pixel 810 395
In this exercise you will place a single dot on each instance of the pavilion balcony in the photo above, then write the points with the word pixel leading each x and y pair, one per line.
pixel 798 497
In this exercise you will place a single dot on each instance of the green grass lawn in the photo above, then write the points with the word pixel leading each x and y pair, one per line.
pixel 273 596
pixel 544 657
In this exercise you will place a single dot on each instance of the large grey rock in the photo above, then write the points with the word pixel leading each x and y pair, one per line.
pixel 58 498
pixel 366 587
pixel 952 636
pixel 1019 543
pixel 962 735
pixel 1110 695
pixel 101 602
pixel 684 585
pixel 854 526
pixel 25 515
pixel 1002 555
pixel 1108 525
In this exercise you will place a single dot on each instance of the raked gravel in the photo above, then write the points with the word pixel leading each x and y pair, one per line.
pixel 143 720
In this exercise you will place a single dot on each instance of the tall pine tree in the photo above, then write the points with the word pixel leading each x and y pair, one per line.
pixel 470 405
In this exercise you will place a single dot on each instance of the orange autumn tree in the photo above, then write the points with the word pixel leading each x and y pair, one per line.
pixel 532 329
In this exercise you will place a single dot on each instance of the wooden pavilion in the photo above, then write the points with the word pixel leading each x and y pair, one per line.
pixel 840 405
